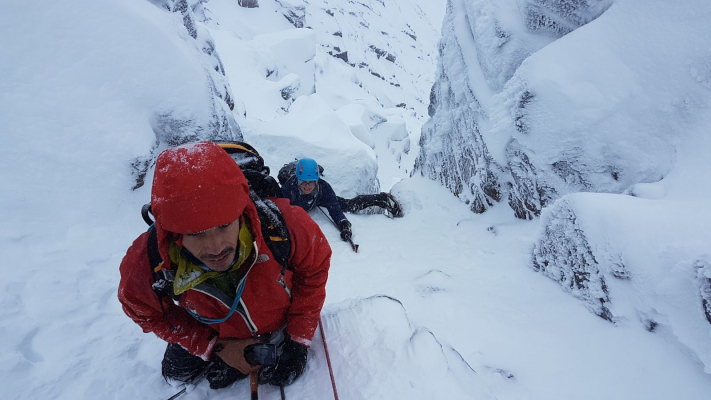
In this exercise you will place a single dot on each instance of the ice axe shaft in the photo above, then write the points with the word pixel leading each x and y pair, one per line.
pixel 353 245
pixel 254 385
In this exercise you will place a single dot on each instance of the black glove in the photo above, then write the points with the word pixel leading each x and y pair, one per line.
pixel 290 365
pixel 346 233
pixel 221 375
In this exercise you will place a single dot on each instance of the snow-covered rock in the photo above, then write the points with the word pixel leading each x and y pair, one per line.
pixel 398 138
pixel 293 52
pixel 561 16
pixel 174 127
pixel 248 3
pixel 522 113
pixel 632 261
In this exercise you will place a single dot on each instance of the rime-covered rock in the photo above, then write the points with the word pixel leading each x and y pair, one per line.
pixel 704 282
pixel 563 253
pixel 294 11
pixel 632 261
pixel 248 3
pixel 452 149
pixel 562 16
pixel 536 99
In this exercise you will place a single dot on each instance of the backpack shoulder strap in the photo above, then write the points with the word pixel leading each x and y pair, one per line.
pixel 162 283
pixel 162 278
pixel 274 230
pixel 154 258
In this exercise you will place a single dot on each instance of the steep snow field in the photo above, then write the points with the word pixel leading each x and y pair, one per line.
pixel 442 303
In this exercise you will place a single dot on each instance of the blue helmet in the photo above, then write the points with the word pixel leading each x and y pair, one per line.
pixel 307 169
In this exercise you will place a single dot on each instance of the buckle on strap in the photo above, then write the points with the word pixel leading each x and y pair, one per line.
pixel 275 337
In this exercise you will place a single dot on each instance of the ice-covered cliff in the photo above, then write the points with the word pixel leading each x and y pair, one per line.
pixel 536 99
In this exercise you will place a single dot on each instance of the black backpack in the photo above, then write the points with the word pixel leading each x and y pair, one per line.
pixel 289 170
pixel 274 229
pixel 252 165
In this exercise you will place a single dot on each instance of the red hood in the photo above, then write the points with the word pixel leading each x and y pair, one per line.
pixel 196 187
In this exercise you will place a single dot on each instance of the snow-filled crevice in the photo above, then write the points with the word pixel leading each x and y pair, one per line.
pixel 330 70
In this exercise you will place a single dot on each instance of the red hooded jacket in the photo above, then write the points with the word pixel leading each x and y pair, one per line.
pixel 197 187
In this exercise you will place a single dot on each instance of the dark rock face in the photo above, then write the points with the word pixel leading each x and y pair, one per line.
pixel 564 254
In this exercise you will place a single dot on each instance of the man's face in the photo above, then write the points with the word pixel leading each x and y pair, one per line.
pixel 215 247
pixel 307 187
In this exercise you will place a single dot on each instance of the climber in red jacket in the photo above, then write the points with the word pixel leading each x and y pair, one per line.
pixel 227 292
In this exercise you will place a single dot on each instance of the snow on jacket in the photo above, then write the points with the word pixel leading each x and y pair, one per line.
pixel 323 196
pixel 197 187
pixel 266 302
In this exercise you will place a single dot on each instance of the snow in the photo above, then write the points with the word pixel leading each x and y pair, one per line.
pixel 442 303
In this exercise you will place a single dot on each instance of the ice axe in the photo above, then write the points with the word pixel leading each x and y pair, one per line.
pixel 353 245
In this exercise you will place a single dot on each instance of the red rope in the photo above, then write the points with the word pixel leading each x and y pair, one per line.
pixel 328 358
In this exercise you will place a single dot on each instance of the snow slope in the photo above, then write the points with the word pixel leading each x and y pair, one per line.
pixel 439 304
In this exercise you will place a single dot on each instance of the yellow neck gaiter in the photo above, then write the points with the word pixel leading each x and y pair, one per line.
pixel 188 275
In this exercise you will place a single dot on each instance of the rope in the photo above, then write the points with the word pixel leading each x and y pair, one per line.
pixel 328 358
